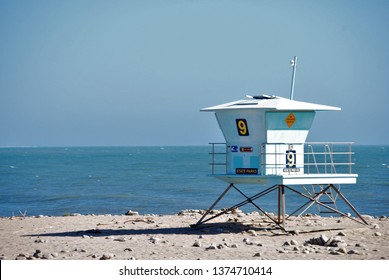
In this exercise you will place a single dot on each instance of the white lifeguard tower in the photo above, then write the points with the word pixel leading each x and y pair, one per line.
pixel 266 145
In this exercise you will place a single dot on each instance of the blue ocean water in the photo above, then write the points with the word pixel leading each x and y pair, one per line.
pixel 159 180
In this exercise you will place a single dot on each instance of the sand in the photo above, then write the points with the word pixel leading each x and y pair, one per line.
pixel 234 236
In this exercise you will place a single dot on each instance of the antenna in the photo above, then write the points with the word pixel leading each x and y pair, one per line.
pixel 293 62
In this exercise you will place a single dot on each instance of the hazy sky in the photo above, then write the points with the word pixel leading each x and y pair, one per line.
pixel 138 72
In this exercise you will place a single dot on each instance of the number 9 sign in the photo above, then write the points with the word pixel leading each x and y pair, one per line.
pixel 290 158
pixel 241 125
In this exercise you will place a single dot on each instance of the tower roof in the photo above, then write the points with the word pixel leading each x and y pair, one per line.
pixel 271 103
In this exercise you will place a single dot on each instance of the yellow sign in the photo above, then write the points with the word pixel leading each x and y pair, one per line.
pixel 290 119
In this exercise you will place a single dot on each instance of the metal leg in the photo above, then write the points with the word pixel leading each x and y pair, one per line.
pixel 314 199
pixel 214 204
pixel 281 204
pixel 310 202
pixel 250 200
pixel 349 204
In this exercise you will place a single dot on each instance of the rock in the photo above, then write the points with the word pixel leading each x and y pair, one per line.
pixel 341 244
pixel 252 232
pixel 342 250
pixel 294 242
pixel 47 256
pixel 196 244
pixel 286 243
pixel 107 256
pixel 335 253
pixel 353 252
pixel 296 249
pixel 211 247
pixel 367 217
pixel 131 213
pixel 189 211
pixel 246 240
pixel 234 245
pixel 40 241
pixel 22 256
pixel 337 239
pixel 120 239
pixel 38 254
pixel 324 238
pixel 329 242
pixel 375 226
pixel 341 233
pixel 220 246
pixel 154 240
pixel 377 234
pixel 257 255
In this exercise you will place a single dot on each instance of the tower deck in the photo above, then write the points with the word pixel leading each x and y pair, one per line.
pixel 301 179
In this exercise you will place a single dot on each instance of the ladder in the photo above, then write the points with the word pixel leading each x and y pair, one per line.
pixel 328 195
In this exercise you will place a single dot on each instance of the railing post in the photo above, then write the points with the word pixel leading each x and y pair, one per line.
pixel 226 158
pixel 350 158
pixel 325 158
pixel 213 158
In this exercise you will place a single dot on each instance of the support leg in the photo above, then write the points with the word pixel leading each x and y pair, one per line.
pixel 315 200
pixel 213 205
pixel 349 204
pixel 283 205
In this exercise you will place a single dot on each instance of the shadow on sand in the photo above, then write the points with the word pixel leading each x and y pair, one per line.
pixel 205 229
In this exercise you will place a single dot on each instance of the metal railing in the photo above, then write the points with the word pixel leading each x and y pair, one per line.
pixel 314 158
pixel 309 158
pixel 328 157
pixel 219 156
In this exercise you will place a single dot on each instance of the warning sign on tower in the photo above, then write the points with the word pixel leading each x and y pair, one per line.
pixel 290 119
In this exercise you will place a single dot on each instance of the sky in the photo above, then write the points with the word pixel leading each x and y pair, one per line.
pixel 128 73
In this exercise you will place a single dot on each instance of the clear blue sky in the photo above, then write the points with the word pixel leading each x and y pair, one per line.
pixel 137 72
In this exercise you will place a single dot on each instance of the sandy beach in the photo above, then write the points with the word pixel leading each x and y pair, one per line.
pixel 234 236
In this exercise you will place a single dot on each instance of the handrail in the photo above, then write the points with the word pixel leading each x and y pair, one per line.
pixel 328 158
pixel 213 153
pixel 332 158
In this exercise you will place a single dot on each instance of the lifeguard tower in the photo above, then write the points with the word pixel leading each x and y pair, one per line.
pixel 266 145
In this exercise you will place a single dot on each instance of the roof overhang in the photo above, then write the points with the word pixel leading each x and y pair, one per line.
pixel 271 103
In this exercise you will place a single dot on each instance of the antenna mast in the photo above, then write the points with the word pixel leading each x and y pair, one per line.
pixel 293 62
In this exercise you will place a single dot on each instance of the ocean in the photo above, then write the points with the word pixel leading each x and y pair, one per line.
pixel 60 181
